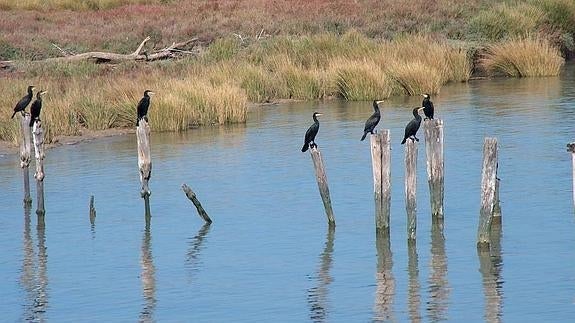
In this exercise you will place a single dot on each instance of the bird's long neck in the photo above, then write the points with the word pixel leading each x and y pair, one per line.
pixel 376 109
pixel 315 119
pixel 416 115
pixel 30 93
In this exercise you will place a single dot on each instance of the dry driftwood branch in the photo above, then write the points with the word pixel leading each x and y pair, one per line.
pixel 104 57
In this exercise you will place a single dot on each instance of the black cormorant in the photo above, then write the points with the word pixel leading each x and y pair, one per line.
pixel 373 120
pixel 36 108
pixel 427 106
pixel 412 126
pixel 143 106
pixel 24 101
pixel 310 134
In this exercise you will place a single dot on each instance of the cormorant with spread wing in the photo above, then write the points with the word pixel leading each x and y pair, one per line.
pixel 373 120
pixel 310 134
pixel 24 101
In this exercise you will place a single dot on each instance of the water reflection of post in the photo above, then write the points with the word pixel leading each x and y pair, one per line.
pixel 195 247
pixel 317 296
pixel 27 278
pixel 413 296
pixel 490 265
pixel 41 300
pixel 148 276
pixel 385 282
pixel 438 284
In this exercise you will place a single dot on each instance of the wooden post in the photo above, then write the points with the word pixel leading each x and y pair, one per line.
pixel 488 183
pixel 25 153
pixel 92 211
pixel 192 196
pixel 496 206
pixel 410 187
pixel 434 152
pixel 144 159
pixel 38 136
pixel 381 161
pixel 322 183
pixel 571 149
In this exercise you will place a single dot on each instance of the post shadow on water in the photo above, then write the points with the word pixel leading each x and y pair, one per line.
pixel 34 277
pixel 148 275
pixel 413 288
pixel 193 254
pixel 439 289
pixel 317 296
pixel 490 267
pixel 385 282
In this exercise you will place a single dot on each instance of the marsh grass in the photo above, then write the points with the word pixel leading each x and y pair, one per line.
pixel 523 57
pixel 76 5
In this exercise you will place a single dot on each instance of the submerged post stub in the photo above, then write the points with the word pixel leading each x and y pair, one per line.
pixel 25 153
pixel 192 197
pixel 571 149
pixel 488 188
pixel 144 157
pixel 38 137
pixel 92 210
pixel 435 164
pixel 410 187
pixel 322 183
pixel 381 160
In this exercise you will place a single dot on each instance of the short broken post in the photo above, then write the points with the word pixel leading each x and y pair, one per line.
pixel 434 152
pixel 411 187
pixel 192 197
pixel 38 136
pixel 25 153
pixel 144 160
pixel 92 211
pixel 488 188
pixel 571 149
pixel 322 183
pixel 381 160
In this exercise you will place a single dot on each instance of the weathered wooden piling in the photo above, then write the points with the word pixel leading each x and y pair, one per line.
pixel 488 188
pixel 410 187
pixel 571 149
pixel 381 161
pixel 144 159
pixel 434 152
pixel 92 211
pixel 192 197
pixel 38 136
pixel 322 183
pixel 25 153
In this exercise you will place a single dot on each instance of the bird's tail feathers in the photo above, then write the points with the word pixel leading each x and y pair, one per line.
pixel 364 134
pixel 32 122
pixel 13 114
pixel 403 141
pixel 304 148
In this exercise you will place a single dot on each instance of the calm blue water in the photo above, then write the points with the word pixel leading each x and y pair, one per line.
pixel 269 255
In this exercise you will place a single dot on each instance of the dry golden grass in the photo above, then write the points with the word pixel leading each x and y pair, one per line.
pixel 521 57
pixel 68 4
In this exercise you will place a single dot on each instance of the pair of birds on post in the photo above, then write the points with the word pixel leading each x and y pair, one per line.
pixel 34 109
pixel 410 130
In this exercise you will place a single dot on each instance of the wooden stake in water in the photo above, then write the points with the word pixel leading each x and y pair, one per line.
pixel 381 161
pixel 434 151
pixel 38 136
pixel 144 159
pixel 488 183
pixel 322 183
pixel 571 149
pixel 192 197
pixel 410 187
pixel 25 153
pixel 92 211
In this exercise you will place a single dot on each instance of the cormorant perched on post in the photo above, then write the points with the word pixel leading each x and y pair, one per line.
pixel 412 126
pixel 24 101
pixel 143 106
pixel 373 120
pixel 36 108
pixel 427 106
pixel 310 134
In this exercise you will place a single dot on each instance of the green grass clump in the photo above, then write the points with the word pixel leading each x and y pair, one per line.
pixel 523 57
pixel 506 20
pixel 360 80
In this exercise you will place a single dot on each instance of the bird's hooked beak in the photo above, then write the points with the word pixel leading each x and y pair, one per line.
pixel 420 109
pixel 319 114
pixel 152 93
pixel 378 102
pixel 43 92
pixel 425 95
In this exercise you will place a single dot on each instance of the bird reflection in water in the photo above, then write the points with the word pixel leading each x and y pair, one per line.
pixel 192 257
pixel 317 296
pixel 34 278
pixel 413 296
pixel 385 283
pixel 490 266
pixel 438 285
pixel 148 275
